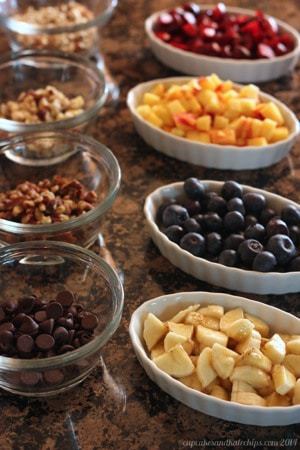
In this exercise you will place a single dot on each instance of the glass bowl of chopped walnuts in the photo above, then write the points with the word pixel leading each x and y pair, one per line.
pixel 48 91
pixel 69 26
pixel 55 186
pixel 59 305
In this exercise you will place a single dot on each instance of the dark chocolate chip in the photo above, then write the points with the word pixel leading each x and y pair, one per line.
pixel 2 314
pixel 40 316
pixel 53 377
pixel 6 340
pixel 10 306
pixel 27 303
pixel 72 310
pixel 17 321
pixel 71 336
pixel 61 336
pixel 7 326
pixel 89 321
pixel 29 326
pixel 65 298
pixel 76 343
pixel 47 326
pixel 66 348
pixel 30 378
pixel 85 338
pixel 54 310
pixel 44 342
pixel 25 343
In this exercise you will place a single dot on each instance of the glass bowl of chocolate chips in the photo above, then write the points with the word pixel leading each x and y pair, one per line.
pixel 59 305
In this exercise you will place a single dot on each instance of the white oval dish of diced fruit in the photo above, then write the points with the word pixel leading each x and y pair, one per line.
pixel 195 130
pixel 223 355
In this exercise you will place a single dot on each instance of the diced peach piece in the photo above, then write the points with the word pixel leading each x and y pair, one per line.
pixel 186 119
pixel 249 91
pixel 151 99
pixel 164 114
pixel 257 142
pixel 248 105
pixel 279 134
pixel 198 136
pixel 174 92
pixel 223 137
pixel 220 122
pixel 268 128
pixel 256 126
pixel 177 132
pixel 209 100
pixel 203 123
pixel 159 89
pixel 271 111
pixel 175 107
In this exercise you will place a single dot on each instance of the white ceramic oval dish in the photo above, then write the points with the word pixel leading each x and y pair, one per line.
pixel 166 306
pixel 240 70
pixel 214 273
pixel 210 155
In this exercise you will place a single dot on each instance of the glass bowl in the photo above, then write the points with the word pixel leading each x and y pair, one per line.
pixel 44 269
pixel 73 75
pixel 81 37
pixel 36 156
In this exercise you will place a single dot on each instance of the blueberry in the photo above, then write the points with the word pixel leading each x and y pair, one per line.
pixel 174 233
pixel 282 247
pixel 191 226
pixel 217 204
pixel 231 189
pixel 295 234
pixel 213 222
pixel 200 219
pixel 174 215
pixel 228 258
pixel 193 206
pixel 214 243
pixel 248 250
pixel 236 204
pixel 234 221
pixel 254 203
pixel 161 209
pixel 295 264
pixel 207 198
pixel 193 243
pixel 276 226
pixel 291 215
pixel 264 262
pixel 266 215
pixel 250 220
pixel 233 241
pixel 256 231
pixel 194 188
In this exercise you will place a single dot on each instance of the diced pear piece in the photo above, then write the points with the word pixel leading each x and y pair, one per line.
pixel 219 392
pixel 242 386
pixel 223 360
pixel 296 396
pixel 216 311
pixel 173 339
pixel 194 359
pixel 275 399
pixel 208 337
pixel 253 341
pixel 252 375
pixel 197 318
pixel 284 380
pixel 181 315
pixel 248 398
pixel 154 330
pixel 176 362
pixel 205 371
pixel 240 330
pixel 157 350
pixel 254 357
pixel 182 329
pixel 275 349
pixel 264 391
pixel 293 346
pixel 259 325
pixel 192 381
pixel 292 362
pixel 230 317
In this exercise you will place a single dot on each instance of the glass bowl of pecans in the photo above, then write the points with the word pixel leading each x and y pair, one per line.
pixel 48 91
pixel 69 26
pixel 59 305
pixel 55 186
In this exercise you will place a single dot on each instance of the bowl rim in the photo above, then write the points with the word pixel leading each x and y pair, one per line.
pixel 20 27
pixel 97 148
pixel 12 126
pixel 149 22
pixel 140 347
pixel 197 259
pixel 141 88
pixel 14 364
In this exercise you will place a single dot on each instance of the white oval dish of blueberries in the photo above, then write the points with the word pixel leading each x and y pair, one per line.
pixel 226 234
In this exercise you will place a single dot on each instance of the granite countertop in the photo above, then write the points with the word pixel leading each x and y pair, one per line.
pixel 118 407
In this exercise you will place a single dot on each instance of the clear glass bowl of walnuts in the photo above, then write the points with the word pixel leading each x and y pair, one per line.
pixel 48 91
pixel 55 186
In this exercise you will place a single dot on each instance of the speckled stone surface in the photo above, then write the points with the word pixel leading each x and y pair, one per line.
pixel 118 407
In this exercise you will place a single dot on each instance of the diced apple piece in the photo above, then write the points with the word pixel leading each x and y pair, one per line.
pixel 216 311
pixel 173 339
pixel 242 386
pixel 296 396
pixel 292 362
pixel 279 134
pixel 275 349
pixel 257 378
pixel 253 341
pixel 208 337
pixel 181 315
pixel 259 325
pixel 151 99
pixel 196 318
pixel 219 392
pixel 154 330
pixel 271 111
pixel 176 362
pixel 157 350
pixel 223 360
pixel 249 91
pixel 192 381
pixel 293 346
pixel 284 380
pixel 203 123
pixel 175 107
pixel 223 137
pixel 205 371
pixel 240 330
pixel 275 399
pixel 198 136
pixel 182 329
pixel 257 142
pixel 254 357
pixel 230 317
